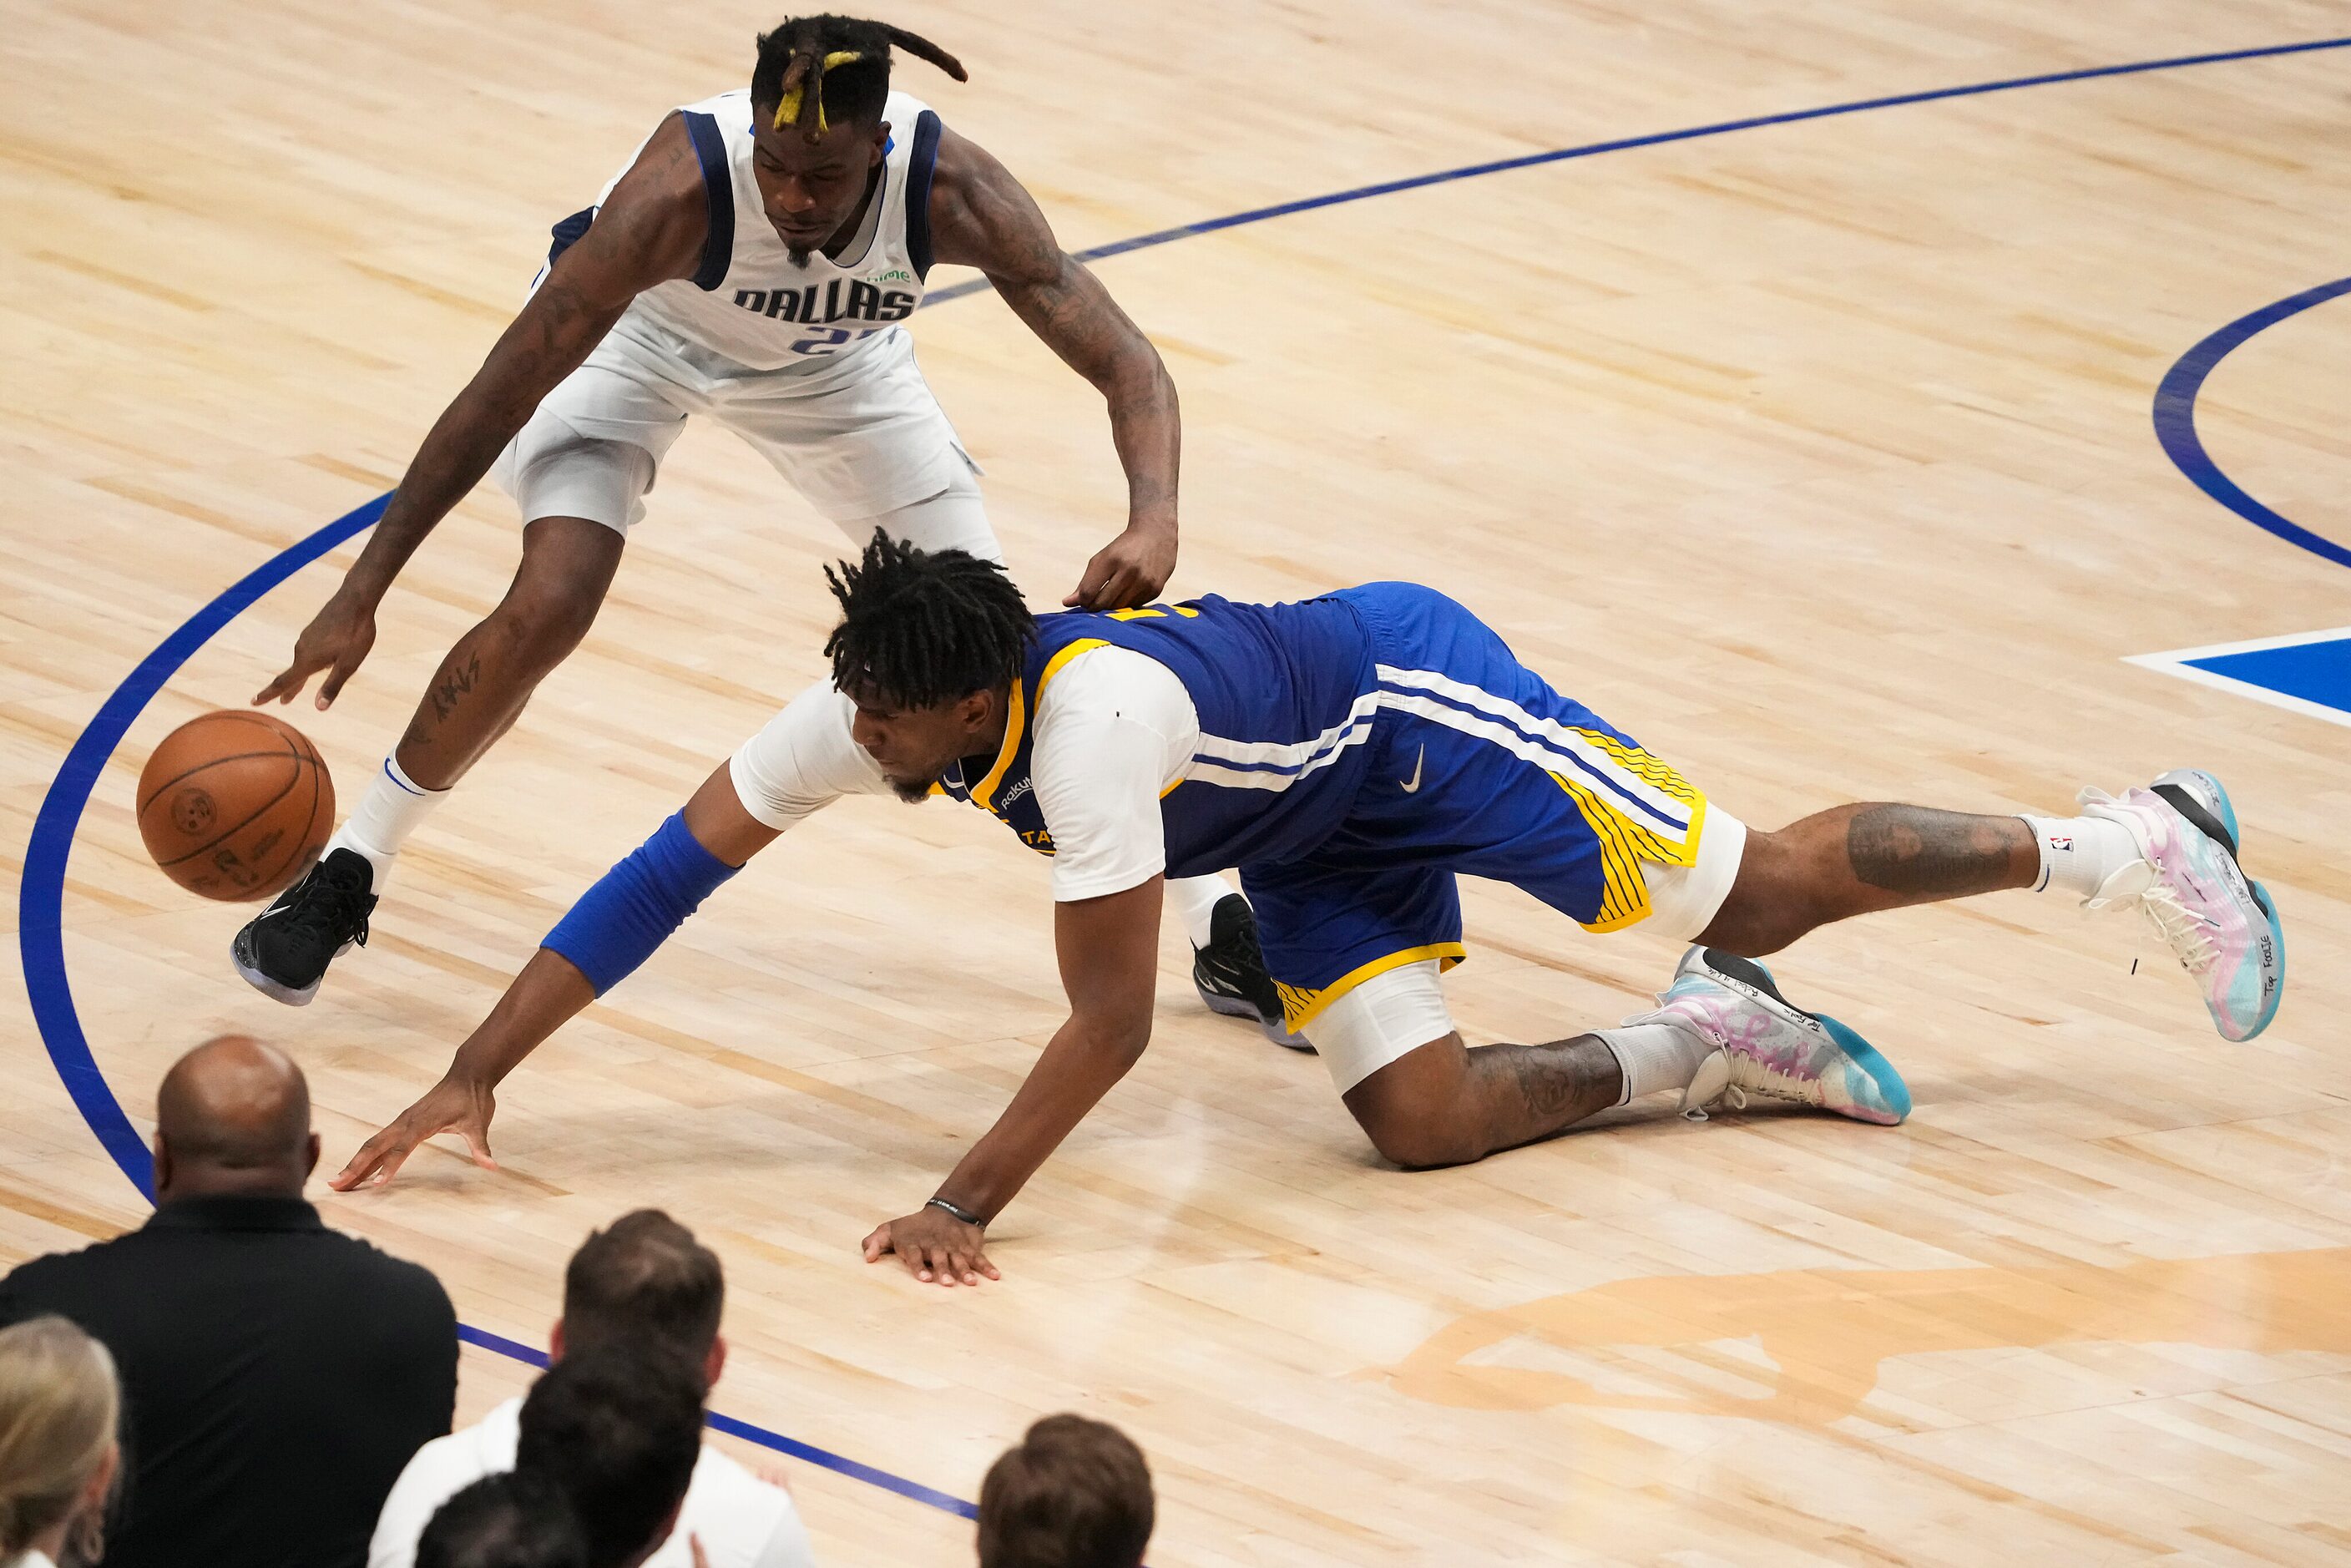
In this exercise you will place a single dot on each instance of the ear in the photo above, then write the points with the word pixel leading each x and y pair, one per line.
pixel 310 1156
pixel 881 143
pixel 102 1480
pixel 162 1166
pixel 555 1343
pixel 977 711
pixel 714 1363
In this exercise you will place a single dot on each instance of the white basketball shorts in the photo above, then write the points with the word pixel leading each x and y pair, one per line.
pixel 861 438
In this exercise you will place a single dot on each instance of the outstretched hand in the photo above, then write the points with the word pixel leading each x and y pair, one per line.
pixel 335 640
pixel 1128 571
pixel 933 1245
pixel 454 1104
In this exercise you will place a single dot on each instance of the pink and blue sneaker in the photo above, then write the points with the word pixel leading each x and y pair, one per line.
pixel 2223 928
pixel 1766 1047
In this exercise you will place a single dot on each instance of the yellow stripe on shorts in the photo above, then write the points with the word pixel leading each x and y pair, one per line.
pixel 1302 1005
pixel 1625 843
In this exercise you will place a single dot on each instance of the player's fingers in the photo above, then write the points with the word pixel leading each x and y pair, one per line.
pixel 346 663
pixel 1130 589
pixel 477 1143
pixel 963 1266
pixel 370 1160
pixel 289 681
pixel 877 1244
pixel 1098 572
pixel 979 1260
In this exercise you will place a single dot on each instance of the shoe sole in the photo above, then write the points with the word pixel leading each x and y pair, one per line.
pixel 1235 1007
pixel 2224 830
pixel 275 990
pixel 268 987
pixel 1890 1087
pixel 1754 981
pixel 2277 935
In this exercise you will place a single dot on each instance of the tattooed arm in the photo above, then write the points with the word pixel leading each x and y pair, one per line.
pixel 981 216
pixel 651 229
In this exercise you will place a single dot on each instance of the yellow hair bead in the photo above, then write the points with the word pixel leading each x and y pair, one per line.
pixel 787 107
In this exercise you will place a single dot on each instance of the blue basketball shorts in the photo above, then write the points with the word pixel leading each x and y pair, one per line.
pixel 1476 767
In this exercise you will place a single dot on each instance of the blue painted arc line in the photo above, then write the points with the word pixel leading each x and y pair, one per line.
pixel 1654 139
pixel 733 1427
pixel 40 908
pixel 41 891
pixel 2175 418
pixel 40 896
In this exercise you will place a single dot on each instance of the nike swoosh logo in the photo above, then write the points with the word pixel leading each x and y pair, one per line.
pixel 1412 785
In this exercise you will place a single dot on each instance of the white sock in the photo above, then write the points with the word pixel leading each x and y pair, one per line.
pixel 1654 1056
pixel 1196 899
pixel 394 807
pixel 2079 853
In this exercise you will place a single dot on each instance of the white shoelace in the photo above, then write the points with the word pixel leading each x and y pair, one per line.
pixel 2189 934
pixel 1751 1076
pixel 1762 1080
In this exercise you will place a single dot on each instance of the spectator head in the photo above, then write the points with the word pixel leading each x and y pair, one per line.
pixel 617 1433
pixel 58 1452
pixel 643 1283
pixel 1074 1494
pixel 232 1118
pixel 505 1520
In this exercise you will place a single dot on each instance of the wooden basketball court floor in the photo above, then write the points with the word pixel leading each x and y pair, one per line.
pixel 1817 454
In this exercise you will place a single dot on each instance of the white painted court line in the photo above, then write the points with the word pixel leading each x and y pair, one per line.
pixel 2175 662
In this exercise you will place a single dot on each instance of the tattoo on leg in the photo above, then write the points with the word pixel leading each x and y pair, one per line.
pixel 1915 849
pixel 453 685
pixel 1555 1080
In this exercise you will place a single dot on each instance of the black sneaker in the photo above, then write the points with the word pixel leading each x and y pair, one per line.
pixel 1229 972
pixel 284 951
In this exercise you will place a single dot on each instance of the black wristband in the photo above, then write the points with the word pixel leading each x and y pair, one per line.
pixel 955 1211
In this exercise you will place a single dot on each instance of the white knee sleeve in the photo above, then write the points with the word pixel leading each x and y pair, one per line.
pixel 1684 900
pixel 1380 1021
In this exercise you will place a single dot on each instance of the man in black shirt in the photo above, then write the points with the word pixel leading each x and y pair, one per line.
pixel 276 1375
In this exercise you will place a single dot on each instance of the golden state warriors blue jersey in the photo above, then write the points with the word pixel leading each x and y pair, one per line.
pixel 1285 695
pixel 1356 753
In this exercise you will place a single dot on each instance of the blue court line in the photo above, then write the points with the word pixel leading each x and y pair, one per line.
pixel 41 893
pixel 792 1446
pixel 1656 138
pixel 40 907
pixel 2175 418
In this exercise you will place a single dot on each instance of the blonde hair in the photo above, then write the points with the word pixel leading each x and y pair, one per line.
pixel 57 1405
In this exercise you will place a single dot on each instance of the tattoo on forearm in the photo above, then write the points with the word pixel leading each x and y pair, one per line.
pixel 1912 848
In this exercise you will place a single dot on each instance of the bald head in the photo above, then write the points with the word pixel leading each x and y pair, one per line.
pixel 233 1117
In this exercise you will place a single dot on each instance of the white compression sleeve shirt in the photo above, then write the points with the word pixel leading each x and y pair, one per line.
pixel 806 758
pixel 1115 730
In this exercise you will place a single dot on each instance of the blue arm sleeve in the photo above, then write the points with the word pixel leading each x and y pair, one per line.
pixel 618 923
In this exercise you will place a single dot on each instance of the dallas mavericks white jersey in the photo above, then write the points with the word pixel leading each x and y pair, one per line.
pixel 747 305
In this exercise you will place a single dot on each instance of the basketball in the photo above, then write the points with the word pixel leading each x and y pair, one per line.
pixel 234 805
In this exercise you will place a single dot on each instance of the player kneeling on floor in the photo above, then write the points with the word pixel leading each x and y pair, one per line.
pixel 1353 754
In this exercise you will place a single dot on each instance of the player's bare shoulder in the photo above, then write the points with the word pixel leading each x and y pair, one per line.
pixel 981 216
pixel 650 228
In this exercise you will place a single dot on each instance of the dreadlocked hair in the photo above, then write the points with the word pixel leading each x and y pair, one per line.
pixel 816 70
pixel 919 628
